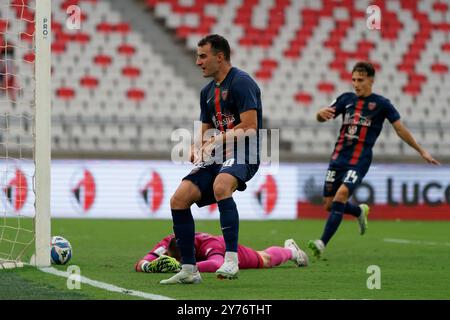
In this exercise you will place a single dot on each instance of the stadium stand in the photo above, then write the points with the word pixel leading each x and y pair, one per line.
pixel 113 91
pixel 301 52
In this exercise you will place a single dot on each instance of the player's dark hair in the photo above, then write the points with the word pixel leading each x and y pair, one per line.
pixel 364 67
pixel 173 249
pixel 218 44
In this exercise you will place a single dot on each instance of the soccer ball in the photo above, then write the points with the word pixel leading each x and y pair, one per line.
pixel 61 250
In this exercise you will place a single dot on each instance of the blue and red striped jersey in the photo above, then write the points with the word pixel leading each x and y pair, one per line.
pixel 363 120
pixel 221 105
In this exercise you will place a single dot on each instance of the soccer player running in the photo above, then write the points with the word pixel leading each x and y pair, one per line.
pixel 230 104
pixel 210 251
pixel 363 114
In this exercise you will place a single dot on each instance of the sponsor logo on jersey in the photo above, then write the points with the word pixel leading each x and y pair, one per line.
pixel 226 119
pixel 349 119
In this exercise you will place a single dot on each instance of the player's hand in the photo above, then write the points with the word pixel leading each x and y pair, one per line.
pixel 194 157
pixel 150 267
pixel 428 158
pixel 205 152
pixel 326 113
pixel 166 264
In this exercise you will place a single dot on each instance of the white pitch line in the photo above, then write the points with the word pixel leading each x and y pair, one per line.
pixel 429 243
pixel 106 286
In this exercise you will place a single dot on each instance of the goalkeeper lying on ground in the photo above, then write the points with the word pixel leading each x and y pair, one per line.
pixel 210 251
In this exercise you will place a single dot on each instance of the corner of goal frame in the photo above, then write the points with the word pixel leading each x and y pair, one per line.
pixel 10 264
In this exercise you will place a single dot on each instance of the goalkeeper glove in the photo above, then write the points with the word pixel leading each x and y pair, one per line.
pixel 168 264
pixel 164 264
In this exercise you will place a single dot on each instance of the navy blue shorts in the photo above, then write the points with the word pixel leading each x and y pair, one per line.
pixel 351 177
pixel 203 178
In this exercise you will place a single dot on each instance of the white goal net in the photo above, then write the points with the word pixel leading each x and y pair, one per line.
pixel 24 131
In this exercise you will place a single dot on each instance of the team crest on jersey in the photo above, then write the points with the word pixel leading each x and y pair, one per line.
pixel 372 105
pixel 224 95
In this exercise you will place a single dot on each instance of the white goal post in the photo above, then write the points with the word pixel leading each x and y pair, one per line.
pixel 42 131
pixel 25 126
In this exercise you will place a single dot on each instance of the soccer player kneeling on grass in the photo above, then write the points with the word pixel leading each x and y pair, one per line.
pixel 210 252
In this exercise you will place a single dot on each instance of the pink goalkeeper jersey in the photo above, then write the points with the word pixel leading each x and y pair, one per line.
pixel 210 251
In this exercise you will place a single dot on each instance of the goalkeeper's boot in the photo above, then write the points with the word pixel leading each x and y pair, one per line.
pixel 228 270
pixel 362 219
pixel 298 255
pixel 185 276
pixel 317 247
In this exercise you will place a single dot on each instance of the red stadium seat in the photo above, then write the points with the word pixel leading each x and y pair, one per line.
pixel 346 76
pixel 135 94
pixel 89 82
pixel 58 47
pixel 27 37
pixel 68 3
pixel 65 93
pixel 81 38
pixel 439 68
pixel 440 6
pixel 269 63
pixel 303 98
pixel 3 25
pixel 417 78
pixel 25 14
pixel 105 27
pixel 103 60
pixel 263 74
pixel 266 69
pixel 412 89
pixel 326 87
pixel 131 72
pixel 446 47
pixel 122 27
pixel 126 49
pixel 56 26
pixel 29 57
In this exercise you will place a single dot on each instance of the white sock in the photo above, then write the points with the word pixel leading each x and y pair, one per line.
pixel 189 267
pixel 231 256
pixel 294 254
pixel 321 244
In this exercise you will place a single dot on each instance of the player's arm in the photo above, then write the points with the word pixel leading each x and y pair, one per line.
pixel 325 114
pixel 249 124
pixel 407 136
pixel 247 127
pixel 195 147
pixel 332 111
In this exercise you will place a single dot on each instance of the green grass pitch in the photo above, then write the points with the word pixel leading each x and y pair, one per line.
pixel 106 250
